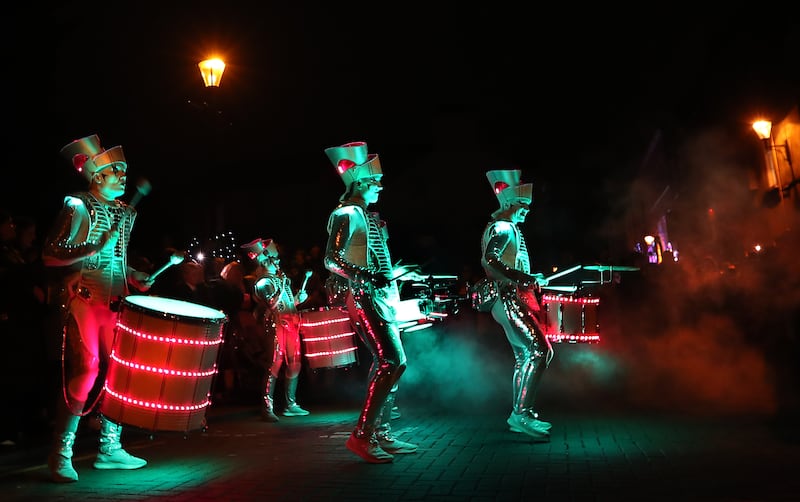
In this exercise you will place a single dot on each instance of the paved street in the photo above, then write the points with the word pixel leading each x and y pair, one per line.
pixel 605 457
pixel 610 441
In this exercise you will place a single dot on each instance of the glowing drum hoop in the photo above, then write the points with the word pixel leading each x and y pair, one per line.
pixel 569 318
pixel 162 364
pixel 328 338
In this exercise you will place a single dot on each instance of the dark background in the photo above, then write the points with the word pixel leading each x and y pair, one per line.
pixel 442 91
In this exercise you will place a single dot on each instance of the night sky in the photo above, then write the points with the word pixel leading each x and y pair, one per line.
pixel 441 91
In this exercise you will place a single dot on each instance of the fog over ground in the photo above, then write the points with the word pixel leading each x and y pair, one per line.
pixel 715 332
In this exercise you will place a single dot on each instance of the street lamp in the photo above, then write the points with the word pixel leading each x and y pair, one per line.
pixel 763 129
pixel 211 70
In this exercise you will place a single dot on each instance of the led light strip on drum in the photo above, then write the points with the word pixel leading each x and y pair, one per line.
pixel 157 406
pixel 166 339
pixel 329 353
pixel 163 371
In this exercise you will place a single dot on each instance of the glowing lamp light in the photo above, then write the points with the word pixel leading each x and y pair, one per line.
pixel 212 70
pixel 649 240
pixel 763 128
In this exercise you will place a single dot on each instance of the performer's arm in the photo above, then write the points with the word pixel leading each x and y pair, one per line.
pixel 343 222
pixel 264 291
pixel 59 248
pixel 501 236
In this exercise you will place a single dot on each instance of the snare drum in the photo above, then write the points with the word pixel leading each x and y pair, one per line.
pixel 571 317
pixel 162 363
pixel 328 338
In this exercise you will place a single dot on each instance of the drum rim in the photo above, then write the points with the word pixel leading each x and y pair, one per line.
pixel 128 301
pixel 323 309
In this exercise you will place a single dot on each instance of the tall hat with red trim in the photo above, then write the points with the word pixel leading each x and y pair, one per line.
pixel 88 157
pixel 259 247
pixel 353 162
pixel 506 186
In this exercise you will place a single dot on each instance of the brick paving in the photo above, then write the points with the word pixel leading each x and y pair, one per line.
pixel 601 449
pixel 606 457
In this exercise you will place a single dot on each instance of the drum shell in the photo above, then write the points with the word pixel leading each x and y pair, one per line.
pixel 570 315
pixel 162 366
pixel 328 338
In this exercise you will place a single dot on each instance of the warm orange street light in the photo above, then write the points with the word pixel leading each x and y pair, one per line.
pixel 763 129
pixel 211 70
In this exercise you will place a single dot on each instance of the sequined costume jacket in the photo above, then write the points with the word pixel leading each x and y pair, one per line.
pixel 505 254
pixel 274 291
pixel 100 277
pixel 506 261
pixel 358 251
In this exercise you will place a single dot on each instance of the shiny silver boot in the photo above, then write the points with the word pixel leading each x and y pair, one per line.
pixel 383 432
pixel 111 454
pixel 267 408
pixel 292 408
pixel 59 462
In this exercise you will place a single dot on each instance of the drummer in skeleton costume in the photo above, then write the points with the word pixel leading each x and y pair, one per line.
pixel 90 239
pixel 357 251
pixel 505 260
pixel 281 322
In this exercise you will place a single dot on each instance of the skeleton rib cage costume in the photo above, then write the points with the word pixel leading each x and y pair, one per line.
pixel 82 221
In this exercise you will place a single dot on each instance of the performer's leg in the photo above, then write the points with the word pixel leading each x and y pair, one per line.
pixel 292 371
pixel 267 403
pixel 386 439
pixel 538 354
pixel 271 377
pixel 81 354
pixel 79 370
pixel 509 314
pixel 389 360
pixel 59 461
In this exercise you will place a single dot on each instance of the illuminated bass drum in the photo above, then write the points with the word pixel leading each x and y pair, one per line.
pixel 163 361
pixel 328 338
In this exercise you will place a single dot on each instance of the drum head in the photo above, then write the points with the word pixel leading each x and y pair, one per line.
pixel 177 308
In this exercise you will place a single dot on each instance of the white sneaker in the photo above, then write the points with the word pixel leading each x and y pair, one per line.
pixel 527 425
pixel 295 410
pixel 368 449
pixel 538 424
pixel 393 445
pixel 61 470
pixel 118 459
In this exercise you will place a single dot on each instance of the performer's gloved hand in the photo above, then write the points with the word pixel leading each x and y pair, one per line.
pixel 408 273
pixel 540 279
pixel 379 280
pixel 141 280
pixel 302 296
pixel 533 281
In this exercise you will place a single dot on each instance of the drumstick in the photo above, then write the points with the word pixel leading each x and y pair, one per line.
pixel 305 281
pixel 564 272
pixel 143 188
pixel 570 289
pixel 173 260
